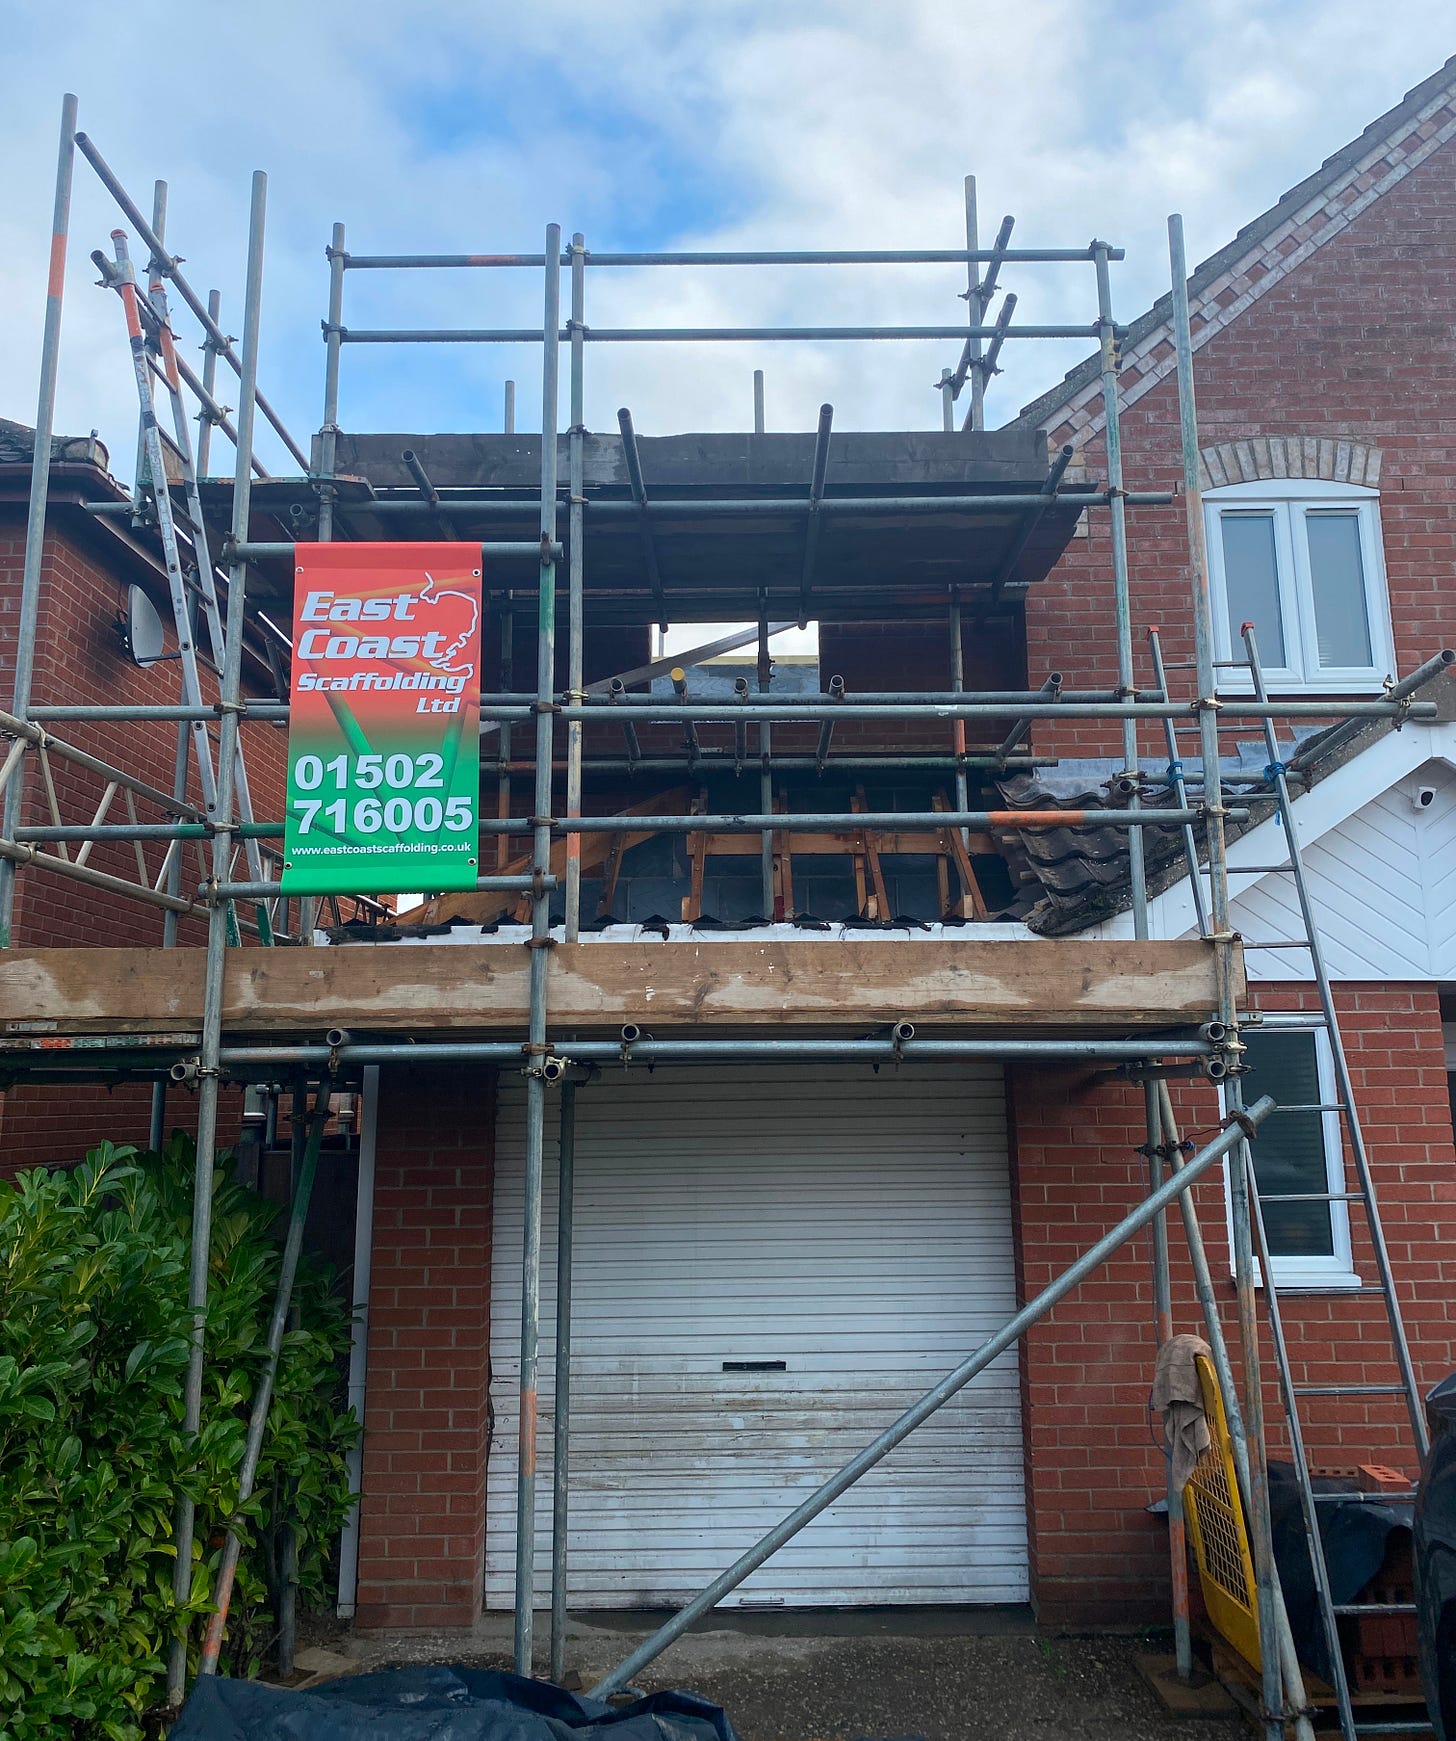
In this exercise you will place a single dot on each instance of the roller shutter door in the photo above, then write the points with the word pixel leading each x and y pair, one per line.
pixel 855 1228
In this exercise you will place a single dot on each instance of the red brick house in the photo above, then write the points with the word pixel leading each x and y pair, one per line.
pixel 1324 362
pixel 90 562
pixel 773 1259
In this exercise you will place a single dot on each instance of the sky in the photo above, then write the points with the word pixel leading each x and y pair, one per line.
pixel 467 127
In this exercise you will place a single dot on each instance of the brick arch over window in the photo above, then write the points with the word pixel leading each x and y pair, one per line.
pixel 1263 458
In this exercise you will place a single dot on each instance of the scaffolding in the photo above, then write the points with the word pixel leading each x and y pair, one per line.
pixel 1211 1048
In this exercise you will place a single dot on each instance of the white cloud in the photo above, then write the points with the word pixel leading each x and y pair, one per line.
pixel 836 122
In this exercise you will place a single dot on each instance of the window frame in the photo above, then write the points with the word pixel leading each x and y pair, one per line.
pixel 1291 500
pixel 1333 1271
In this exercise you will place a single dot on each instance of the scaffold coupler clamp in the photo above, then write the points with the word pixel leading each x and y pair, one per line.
pixel 542 1061
pixel 1237 1115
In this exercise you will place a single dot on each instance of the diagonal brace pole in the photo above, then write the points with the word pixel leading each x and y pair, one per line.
pixel 263 1397
pixel 1235 1131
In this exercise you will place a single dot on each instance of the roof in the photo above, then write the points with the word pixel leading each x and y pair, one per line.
pixel 903 513
pixel 1073 878
pixel 1292 208
pixel 17 446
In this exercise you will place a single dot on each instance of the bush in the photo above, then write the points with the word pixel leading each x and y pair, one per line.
pixel 93 1351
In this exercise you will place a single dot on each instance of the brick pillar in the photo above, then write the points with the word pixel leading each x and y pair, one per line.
pixel 1097 1558
pixel 427 1427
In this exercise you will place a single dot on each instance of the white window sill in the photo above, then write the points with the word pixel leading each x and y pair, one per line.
pixel 1331 1279
pixel 1304 689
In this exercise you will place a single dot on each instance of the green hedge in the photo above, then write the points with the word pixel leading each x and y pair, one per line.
pixel 93 1350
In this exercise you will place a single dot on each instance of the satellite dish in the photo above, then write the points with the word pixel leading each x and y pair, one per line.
pixel 144 634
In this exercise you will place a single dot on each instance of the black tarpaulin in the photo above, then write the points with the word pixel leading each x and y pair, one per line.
pixel 438 1704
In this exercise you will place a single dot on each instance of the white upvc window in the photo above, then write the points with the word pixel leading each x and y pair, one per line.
pixel 1299 1154
pixel 1301 559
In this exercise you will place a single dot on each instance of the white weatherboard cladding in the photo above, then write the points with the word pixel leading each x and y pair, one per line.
pixel 1383 885
pixel 857 1227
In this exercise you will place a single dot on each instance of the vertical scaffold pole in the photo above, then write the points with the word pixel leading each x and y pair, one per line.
pixel 975 311
pixel 540 944
pixel 958 726
pixel 765 763
pixel 1121 590
pixel 209 384
pixel 1137 878
pixel 561 1426
pixel 333 349
pixel 1163 1330
pixel 40 481
pixel 574 633
pixel 1241 1160
pixel 328 457
pixel 217 915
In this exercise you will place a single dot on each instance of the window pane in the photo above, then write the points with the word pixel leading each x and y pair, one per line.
pixel 1337 575
pixel 1251 583
pixel 1289 1151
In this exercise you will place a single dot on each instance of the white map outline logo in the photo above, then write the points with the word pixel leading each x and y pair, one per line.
pixel 441 662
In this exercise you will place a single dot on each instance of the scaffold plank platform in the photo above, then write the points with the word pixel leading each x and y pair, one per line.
pixel 1085 987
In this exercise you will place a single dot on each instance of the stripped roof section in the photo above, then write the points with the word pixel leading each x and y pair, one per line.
pixel 1068 879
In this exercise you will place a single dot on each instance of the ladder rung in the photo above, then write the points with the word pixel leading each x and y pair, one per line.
pixel 1257 870
pixel 1286 943
pixel 1313 1196
pixel 1412 1726
pixel 1371 1288
pixel 1375 1607
pixel 1348 1389
pixel 1383 1497
pixel 1311 1106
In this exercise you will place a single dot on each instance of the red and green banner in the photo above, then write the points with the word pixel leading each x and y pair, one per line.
pixel 384 729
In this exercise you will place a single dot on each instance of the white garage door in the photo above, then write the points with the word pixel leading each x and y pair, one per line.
pixel 770 1265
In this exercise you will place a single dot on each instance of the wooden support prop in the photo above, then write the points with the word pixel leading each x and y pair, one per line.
pixel 880 900
pixel 972 903
pixel 783 865
pixel 692 906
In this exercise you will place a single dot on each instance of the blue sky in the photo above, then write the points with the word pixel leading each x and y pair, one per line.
pixel 466 126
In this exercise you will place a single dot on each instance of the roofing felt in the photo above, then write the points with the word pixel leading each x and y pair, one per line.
pixel 750 539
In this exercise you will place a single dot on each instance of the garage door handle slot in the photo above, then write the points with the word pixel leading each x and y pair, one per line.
pixel 755 1366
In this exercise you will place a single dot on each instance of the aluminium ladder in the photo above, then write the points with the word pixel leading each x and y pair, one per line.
pixel 154 359
pixel 1403 1383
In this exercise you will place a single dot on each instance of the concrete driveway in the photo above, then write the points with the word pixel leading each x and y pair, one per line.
pixel 943 1675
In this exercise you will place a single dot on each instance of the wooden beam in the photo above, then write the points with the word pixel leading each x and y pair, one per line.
pixel 481 907
pixel 422 988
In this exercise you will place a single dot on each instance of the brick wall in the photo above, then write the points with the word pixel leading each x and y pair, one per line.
pixel 422 1516
pixel 1092 1466
pixel 78 660
pixel 1357 343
